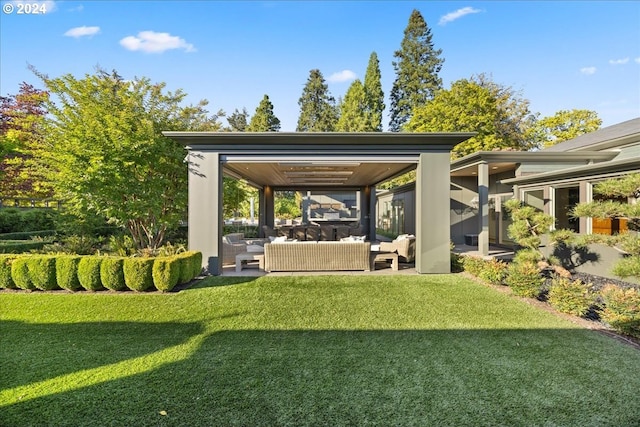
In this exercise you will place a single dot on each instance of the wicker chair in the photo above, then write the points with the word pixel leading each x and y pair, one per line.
pixel 405 247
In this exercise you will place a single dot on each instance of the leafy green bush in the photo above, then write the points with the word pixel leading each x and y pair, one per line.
pixel 524 279
pixel 528 256
pixel 27 235
pixel 20 274
pixel 112 273
pixel 42 270
pixel 67 272
pixel 6 282
pixel 166 273
pixel 473 265
pixel 138 273
pixel 571 297
pixel 89 272
pixel 622 309
pixel 493 271
pixel 20 246
pixel 17 220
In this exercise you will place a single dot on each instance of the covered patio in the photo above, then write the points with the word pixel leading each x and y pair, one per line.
pixel 320 161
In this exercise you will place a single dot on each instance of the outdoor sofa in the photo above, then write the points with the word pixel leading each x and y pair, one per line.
pixel 317 256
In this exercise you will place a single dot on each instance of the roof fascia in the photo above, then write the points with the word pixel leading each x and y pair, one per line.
pixel 529 156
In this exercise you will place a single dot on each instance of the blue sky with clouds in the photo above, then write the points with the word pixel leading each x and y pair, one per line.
pixel 559 55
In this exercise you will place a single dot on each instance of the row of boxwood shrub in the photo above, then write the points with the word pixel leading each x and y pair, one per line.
pixel 617 306
pixel 95 273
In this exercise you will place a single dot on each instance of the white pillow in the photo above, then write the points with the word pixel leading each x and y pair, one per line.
pixel 347 239
pixel 280 239
pixel 401 237
pixel 359 238
pixel 225 240
pixel 272 239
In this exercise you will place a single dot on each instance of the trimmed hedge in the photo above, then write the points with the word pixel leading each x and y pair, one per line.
pixel 112 274
pixel 20 274
pixel 20 246
pixel 67 272
pixel 6 282
pixel 93 273
pixel 89 272
pixel 27 235
pixel 166 273
pixel 138 273
pixel 42 270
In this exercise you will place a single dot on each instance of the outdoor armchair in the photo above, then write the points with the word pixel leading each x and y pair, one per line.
pixel 404 245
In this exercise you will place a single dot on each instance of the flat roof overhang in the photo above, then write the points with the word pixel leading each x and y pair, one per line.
pixel 500 161
pixel 309 159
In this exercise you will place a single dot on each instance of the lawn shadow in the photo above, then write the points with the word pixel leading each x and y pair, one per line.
pixel 67 348
pixel 514 377
pixel 218 281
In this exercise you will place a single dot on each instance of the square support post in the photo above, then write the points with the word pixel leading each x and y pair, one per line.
pixel 483 208
pixel 205 209
pixel 433 232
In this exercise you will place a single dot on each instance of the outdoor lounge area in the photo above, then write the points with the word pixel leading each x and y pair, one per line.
pixel 317 163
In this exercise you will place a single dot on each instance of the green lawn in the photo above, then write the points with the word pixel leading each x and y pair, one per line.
pixel 316 351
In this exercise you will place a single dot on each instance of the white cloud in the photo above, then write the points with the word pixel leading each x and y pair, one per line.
pixel 618 61
pixel 588 70
pixel 152 42
pixel 43 6
pixel 452 16
pixel 82 31
pixel 637 60
pixel 78 8
pixel 342 76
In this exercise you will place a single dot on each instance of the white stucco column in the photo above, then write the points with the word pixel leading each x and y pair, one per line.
pixel 483 208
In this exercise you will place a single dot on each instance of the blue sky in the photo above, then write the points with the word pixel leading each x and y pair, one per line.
pixel 559 55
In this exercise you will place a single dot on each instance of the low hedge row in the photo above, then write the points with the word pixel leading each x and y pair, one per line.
pixel 27 235
pixel 19 246
pixel 94 273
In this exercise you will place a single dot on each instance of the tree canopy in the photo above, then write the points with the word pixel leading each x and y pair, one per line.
pixel 374 96
pixel 417 72
pixel 238 120
pixel 264 120
pixel 496 112
pixel 318 112
pixel 564 125
pixel 353 110
pixel 106 153
pixel 21 140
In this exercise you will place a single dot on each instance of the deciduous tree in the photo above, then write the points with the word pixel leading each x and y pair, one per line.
pixel 107 153
pixel 318 112
pixel 564 125
pixel 417 72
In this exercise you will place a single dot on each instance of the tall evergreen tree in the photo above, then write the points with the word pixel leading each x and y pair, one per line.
pixel 318 112
pixel 374 96
pixel 416 70
pixel 353 112
pixel 238 120
pixel 264 120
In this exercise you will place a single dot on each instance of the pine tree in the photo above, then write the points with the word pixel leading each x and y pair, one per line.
pixel 374 96
pixel 318 112
pixel 264 120
pixel 238 120
pixel 353 114
pixel 416 70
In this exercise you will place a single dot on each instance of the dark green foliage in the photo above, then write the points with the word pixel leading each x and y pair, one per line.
pixel 112 273
pixel 264 120
pixel 138 273
pixel 26 235
pixel 524 279
pixel 14 220
pixel 89 272
pixel 42 271
pixel 67 272
pixel 374 96
pixel 622 309
pixel 416 68
pixel 19 246
pixel 6 282
pixel 572 297
pixel 238 120
pixel 20 274
pixel 166 273
pixel 353 113
pixel 318 111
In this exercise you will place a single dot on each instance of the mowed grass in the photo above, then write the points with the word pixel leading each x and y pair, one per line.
pixel 308 351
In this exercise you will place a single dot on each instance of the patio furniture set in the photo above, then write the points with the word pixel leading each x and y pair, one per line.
pixel 282 254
